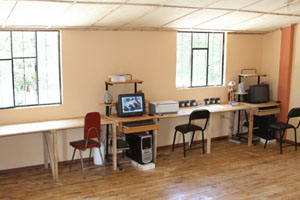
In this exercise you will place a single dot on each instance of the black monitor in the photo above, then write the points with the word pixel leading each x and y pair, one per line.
pixel 258 93
pixel 130 105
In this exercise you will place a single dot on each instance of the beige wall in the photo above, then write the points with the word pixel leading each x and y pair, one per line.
pixel 270 61
pixel 88 57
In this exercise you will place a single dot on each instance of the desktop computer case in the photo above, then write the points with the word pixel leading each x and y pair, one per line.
pixel 140 145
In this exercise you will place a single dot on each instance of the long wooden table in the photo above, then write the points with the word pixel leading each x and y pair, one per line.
pixel 49 129
pixel 214 109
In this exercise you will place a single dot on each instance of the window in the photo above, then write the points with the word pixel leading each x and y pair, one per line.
pixel 29 68
pixel 199 59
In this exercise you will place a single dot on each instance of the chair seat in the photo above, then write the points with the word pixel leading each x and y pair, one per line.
pixel 183 128
pixel 80 144
pixel 280 126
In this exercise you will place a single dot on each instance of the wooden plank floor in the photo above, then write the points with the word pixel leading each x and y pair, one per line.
pixel 232 171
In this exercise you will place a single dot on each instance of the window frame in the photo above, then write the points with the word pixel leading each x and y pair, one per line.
pixel 207 64
pixel 36 69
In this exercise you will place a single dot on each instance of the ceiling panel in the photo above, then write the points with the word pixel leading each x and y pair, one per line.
pixel 266 21
pixel 158 2
pixel 196 18
pixel 5 8
pixel 232 4
pixel 84 14
pixel 227 20
pixel 266 5
pixel 290 9
pixel 158 17
pixel 191 3
pixel 35 13
pixel 124 15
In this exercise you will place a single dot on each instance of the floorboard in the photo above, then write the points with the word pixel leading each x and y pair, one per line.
pixel 231 171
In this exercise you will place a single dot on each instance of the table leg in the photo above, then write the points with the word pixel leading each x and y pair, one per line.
pixel 55 157
pixel 250 128
pixel 45 143
pixel 155 142
pixel 114 143
pixel 208 139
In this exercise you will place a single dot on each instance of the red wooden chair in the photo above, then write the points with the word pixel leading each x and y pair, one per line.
pixel 92 129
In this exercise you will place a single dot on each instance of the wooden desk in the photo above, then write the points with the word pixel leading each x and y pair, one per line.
pixel 49 129
pixel 214 109
pixel 120 120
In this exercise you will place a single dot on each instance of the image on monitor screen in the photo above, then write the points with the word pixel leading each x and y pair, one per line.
pixel 131 104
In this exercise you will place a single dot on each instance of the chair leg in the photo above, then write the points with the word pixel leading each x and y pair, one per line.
pixel 90 156
pixel 183 137
pixel 203 142
pixel 295 140
pixel 70 168
pixel 83 170
pixel 174 140
pixel 192 139
pixel 266 142
pixel 281 133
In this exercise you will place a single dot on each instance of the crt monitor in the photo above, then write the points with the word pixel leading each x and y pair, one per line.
pixel 131 105
pixel 258 93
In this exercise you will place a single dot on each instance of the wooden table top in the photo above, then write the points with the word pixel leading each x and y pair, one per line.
pixel 215 108
pixel 24 128
pixel 117 119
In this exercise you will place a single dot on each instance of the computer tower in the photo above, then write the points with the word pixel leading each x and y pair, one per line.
pixel 140 145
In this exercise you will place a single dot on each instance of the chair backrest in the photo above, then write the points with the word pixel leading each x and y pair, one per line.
pixel 294 112
pixel 92 125
pixel 199 114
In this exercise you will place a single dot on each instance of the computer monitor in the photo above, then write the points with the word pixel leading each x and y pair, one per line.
pixel 131 105
pixel 258 93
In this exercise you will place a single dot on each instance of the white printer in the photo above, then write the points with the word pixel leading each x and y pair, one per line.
pixel 162 107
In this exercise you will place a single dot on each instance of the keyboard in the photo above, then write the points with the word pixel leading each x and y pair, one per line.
pixel 139 123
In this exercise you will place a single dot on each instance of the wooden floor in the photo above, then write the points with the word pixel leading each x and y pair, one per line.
pixel 231 171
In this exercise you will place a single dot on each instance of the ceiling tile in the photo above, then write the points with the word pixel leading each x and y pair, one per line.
pixel 266 5
pixel 293 8
pixel 29 13
pixel 158 2
pixel 232 4
pixel 124 15
pixel 270 22
pixel 158 17
pixel 191 3
pixel 196 18
pixel 84 14
pixel 227 20
pixel 5 8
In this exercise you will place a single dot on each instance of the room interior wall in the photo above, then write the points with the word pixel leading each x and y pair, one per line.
pixel 270 61
pixel 88 57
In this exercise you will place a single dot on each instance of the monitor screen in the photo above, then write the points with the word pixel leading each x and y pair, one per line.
pixel 259 93
pixel 131 105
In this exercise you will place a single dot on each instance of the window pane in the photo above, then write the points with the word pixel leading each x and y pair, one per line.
pixel 23 44
pixel 25 82
pixel 5 47
pixel 183 67
pixel 215 59
pixel 200 40
pixel 48 67
pixel 6 86
pixel 199 67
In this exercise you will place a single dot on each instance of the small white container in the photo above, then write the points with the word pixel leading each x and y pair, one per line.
pixel 97 157
pixel 117 78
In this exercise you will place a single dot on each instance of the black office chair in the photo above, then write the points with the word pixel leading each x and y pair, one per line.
pixel 185 128
pixel 283 126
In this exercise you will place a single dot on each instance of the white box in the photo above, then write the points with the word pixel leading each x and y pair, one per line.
pixel 117 77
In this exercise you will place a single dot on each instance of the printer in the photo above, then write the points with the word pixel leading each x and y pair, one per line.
pixel 162 107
